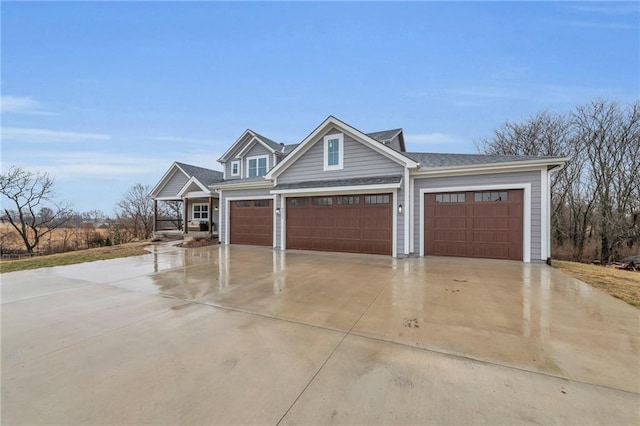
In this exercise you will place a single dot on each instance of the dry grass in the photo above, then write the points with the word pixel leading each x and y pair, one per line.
pixel 70 258
pixel 625 285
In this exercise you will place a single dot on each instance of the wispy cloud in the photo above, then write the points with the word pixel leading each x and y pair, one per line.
pixel 30 135
pixel 430 138
pixel 180 139
pixel 22 105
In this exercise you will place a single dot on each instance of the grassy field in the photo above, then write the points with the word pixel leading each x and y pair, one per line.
pixel 70 258
pixel 625 285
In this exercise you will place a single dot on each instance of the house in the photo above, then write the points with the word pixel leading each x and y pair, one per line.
pixel 347 191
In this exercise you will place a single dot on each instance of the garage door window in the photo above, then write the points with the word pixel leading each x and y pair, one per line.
pixel 298 202
pixel 261 203
pixel 491 196
pixel 243 203
pixel 457 197
pixel 347 200
pixel 322 201
pixel 377 199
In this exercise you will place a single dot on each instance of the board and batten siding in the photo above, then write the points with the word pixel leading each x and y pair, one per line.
pixel 247 194
pixel 532 177
pixel 173 185
pixel 359 161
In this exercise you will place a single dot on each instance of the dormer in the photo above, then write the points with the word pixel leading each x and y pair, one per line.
pixel 251 155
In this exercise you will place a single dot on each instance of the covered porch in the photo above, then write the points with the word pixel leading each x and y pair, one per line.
pixel 197 216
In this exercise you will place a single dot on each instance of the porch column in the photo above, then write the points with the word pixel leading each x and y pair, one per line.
pixel 185 217
pixel 155 216
pixel 210 215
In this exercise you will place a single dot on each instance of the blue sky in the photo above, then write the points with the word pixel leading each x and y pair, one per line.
pixel 105 95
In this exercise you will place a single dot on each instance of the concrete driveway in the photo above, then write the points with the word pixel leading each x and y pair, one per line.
pixel 229 335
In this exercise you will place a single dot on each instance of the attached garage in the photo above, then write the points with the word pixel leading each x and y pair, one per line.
pixel 487 224
pixel 344 223
pixel 251 222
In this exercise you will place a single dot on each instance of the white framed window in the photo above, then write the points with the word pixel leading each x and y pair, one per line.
pixel 200 212
pixel 333 151
pixel 257 166
pixel 235 168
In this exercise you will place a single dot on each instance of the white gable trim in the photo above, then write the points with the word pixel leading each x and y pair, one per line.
pixel 188 184
pixel 331 121
pixel 526 219
pixel 173 169
pixel 251 144
pixel 235 145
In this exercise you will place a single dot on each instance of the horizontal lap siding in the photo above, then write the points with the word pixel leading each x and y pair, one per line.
pixel 532 177
pixel 247 194
pixel 400 224
pixel 232 157
pixel 174 185
pixel 359 161
pixel 256 150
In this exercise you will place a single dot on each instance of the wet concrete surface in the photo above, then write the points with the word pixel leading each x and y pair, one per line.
pixel 250 335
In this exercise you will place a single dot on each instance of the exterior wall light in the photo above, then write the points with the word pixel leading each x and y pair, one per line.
pixel 278 210
pixel 399 208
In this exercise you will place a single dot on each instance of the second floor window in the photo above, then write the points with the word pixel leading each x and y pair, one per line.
pixel 256 166
pixel 333 151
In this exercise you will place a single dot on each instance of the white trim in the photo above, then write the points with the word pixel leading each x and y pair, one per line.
pixel 257 158
pixel 325 155
pixel 252 142
pixel 232 163
pixel 275 218
pixel 193 205
pixel 488 168
pixel 354 189
pixel 255 184
pixel 544 210
pixel 526 225
pixel 283 223
pixel 227 213
pixel 198 194
pixel 233 147
pixel 406 211
pixel 412 226
pixel 394 224
pixel 168 175
pixel 192 180
pixel 325 126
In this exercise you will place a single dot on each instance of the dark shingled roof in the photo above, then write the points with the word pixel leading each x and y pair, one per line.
pixel 376 180
pixel 427 159
pixel 244 180
pixel 205 176
pixel 384 135
pixel 273 144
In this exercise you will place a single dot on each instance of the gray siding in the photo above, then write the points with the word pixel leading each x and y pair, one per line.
pixel 359 161
pixel 395 143
pixel 257 149
pixel 533 177
pixel 232 157
pixel 174 185
pixel 244 193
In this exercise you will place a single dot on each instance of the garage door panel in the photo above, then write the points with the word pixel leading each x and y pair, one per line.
pixel 251 222
pixel 480 224
pixel 359 227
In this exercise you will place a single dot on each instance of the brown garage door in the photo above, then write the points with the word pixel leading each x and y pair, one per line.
pixel 251 222
pixel 350 223
pixel 474 224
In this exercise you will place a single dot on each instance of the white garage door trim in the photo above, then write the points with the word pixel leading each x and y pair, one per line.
pixel 227 214
pixel 526 239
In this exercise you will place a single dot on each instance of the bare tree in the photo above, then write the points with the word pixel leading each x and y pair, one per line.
pixel 35 214
pixel 136 211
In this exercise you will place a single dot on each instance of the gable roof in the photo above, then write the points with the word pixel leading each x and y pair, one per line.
pixel 437 160
pixel 203 176
pixel 271 145
pixel 385 136
pixel 374 144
